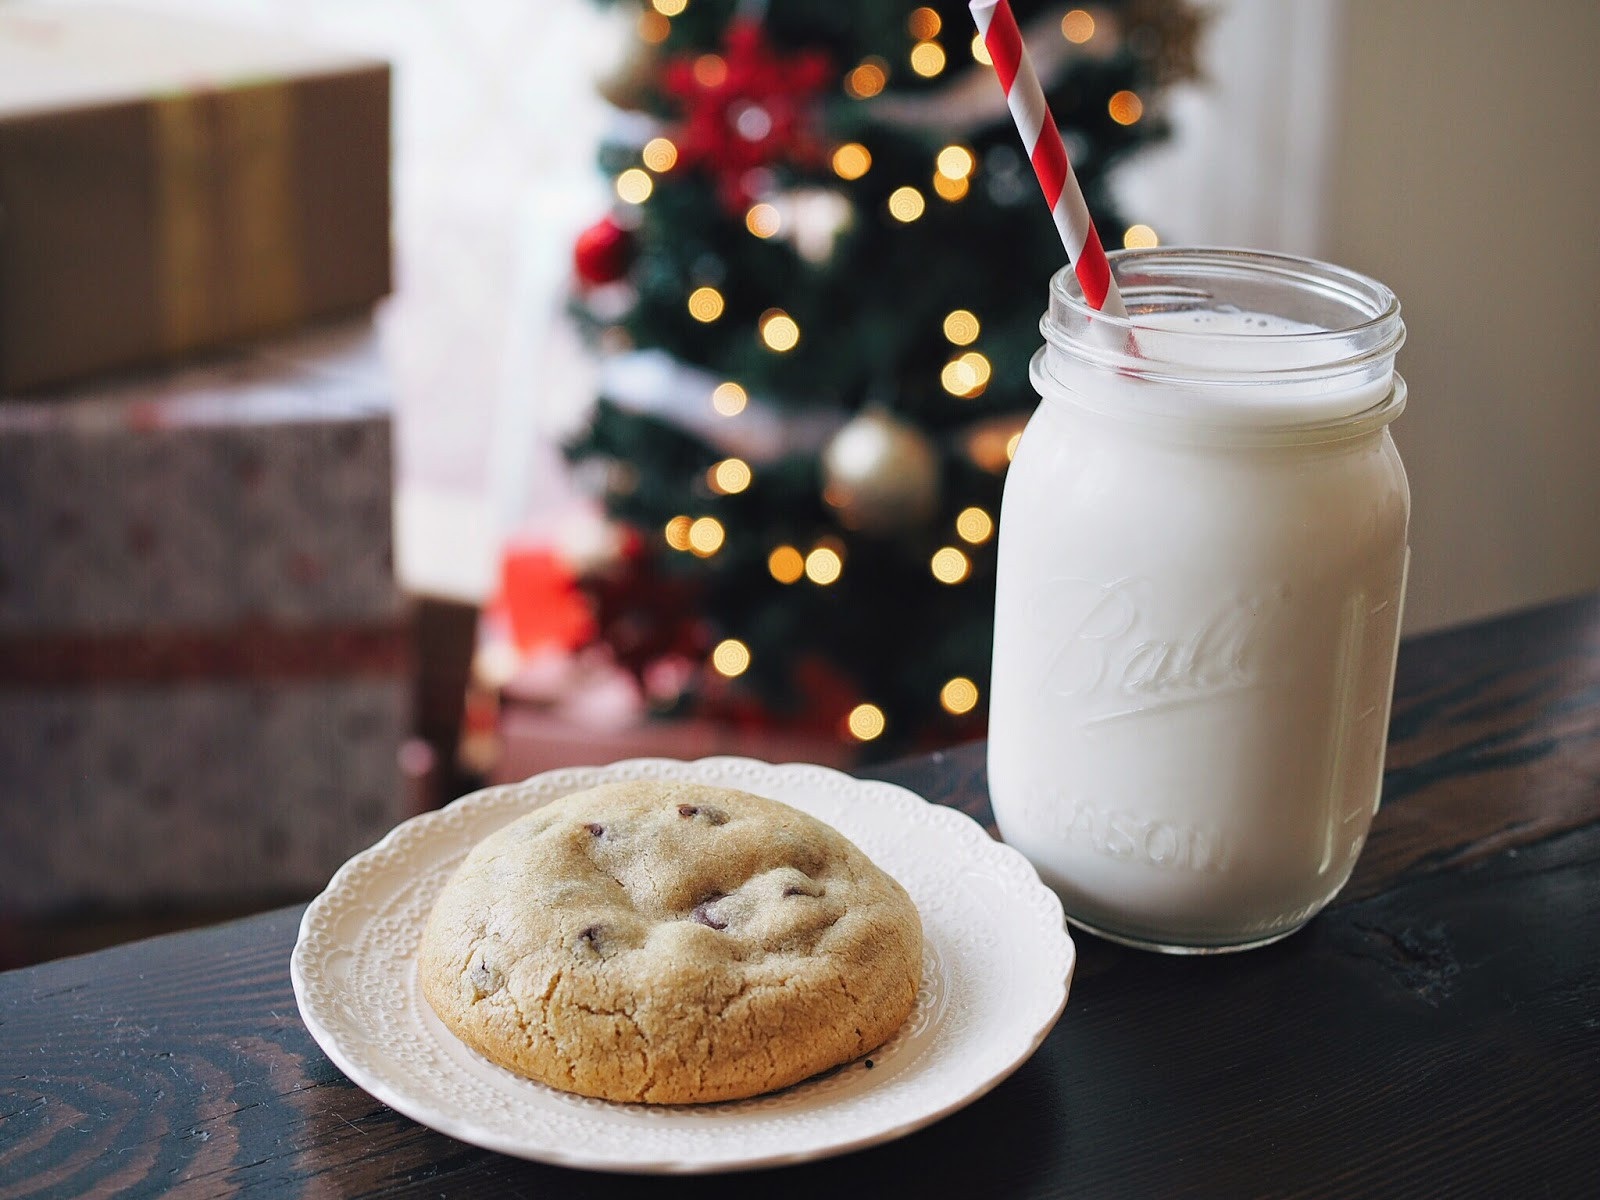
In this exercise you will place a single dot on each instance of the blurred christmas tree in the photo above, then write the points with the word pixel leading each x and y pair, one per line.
pixel 817 296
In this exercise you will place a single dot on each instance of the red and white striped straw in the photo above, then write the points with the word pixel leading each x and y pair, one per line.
pixel 1042 140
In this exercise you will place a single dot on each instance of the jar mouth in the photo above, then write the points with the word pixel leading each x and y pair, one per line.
pixel 1226 335
pixel 1167 280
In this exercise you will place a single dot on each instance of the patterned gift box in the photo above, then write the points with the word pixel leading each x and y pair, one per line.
pixel 169 184
pixel 204 657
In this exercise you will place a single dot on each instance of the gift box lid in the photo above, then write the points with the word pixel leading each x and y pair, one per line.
pixel 55 56
pixel 256 488
pixel 329 376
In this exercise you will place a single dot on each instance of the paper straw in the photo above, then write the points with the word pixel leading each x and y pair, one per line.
pixel 1042 140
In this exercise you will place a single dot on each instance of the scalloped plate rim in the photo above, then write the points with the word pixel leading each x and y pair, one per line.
pixel 461 1127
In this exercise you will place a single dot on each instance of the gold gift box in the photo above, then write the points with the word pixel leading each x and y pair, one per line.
pixel 169 185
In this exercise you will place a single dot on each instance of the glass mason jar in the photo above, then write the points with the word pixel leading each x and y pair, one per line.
pixel 1202 561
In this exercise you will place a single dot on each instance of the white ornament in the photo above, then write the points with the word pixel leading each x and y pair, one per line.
pixel 811 220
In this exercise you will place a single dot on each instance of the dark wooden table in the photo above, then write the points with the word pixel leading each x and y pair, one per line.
pixel 1436 1032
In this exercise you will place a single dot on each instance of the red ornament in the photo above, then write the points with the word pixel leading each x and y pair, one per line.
pixel 603 252
pixel 747 110
pixel 540 599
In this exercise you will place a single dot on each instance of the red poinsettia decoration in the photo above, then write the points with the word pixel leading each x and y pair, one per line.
pixel 746 109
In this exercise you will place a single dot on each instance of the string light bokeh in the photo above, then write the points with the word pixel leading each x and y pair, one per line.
pixel 779 330
pixel 659 154
pixel 705 304
pixel 867 80
pixel 866 722
pixel 906 204
pixel 634 186
pixel 824 566
pixel 729 399
pixel 786 564
pixel 731 658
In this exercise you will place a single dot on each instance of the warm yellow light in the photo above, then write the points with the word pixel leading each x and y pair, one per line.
pixel 729 399
pixel 987 444
pixel 955 162
pixel 959 695
pixel 785 564
pixel 1125 108
pixel 1012 443
pixel 706 536
pixel 851 161
pixel 710 70
pixel 669 8
pixel 779 330
pixel 867 80
pixel 762 220
pixel 678 533
pixel 961 327
pixel 730 476
pixel 949 189
pixel 824 566
pixel 705 304
pixel 974 525
pixel 981 370
pixel 732 658
pixel 1140 237
pixel 927 59
pixel 1077 26
pixel 660 154
pixel 906 204
pixel 980 52
pixel 924 23
pixel 865 722
pixel 958 378
pixel 634 186
pixel 653 27
pixel 949 565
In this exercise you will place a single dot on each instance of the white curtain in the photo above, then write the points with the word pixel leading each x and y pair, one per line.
pixel 1248 162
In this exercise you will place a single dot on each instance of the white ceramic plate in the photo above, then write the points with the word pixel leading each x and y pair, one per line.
pixel 997 962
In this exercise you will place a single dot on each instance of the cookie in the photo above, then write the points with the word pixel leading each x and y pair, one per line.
pixel 670 943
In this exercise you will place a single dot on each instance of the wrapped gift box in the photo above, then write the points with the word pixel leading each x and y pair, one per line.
pixel 205 662
pixel 169 184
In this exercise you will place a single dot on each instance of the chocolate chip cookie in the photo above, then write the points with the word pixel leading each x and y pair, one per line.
pixel 670 943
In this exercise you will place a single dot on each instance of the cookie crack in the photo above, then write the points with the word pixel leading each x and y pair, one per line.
pixel 541 1005
pixel 640 1094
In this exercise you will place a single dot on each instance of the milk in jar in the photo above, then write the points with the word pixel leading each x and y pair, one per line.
pixel 1201 567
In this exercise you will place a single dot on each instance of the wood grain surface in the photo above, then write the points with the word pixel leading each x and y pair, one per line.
pixel 1436 1032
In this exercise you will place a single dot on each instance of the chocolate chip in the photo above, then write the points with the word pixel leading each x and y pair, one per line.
pixel 687 810
pixel 869 1064
pixel 713 816
pixel 595 830
pixel 702 912
pixel 591 936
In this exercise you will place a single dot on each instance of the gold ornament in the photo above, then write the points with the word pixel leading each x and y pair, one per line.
pixel 881 474
pixel 989 443
pixel 629 83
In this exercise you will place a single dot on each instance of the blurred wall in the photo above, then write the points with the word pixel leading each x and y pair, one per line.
pixel 1465 171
